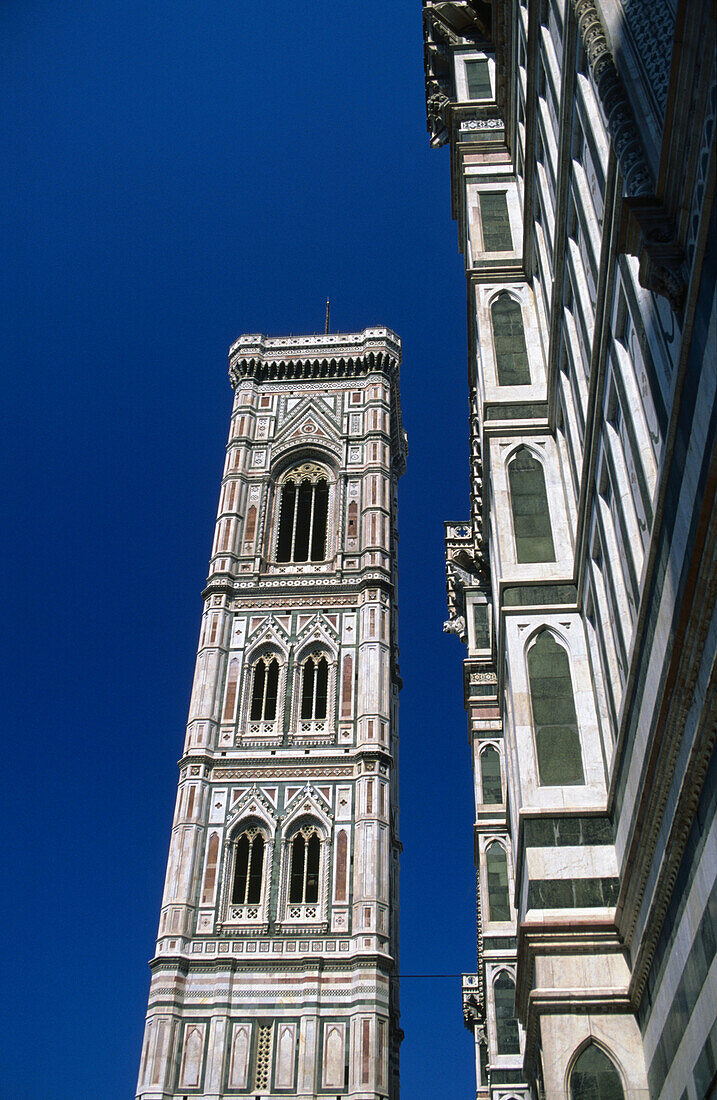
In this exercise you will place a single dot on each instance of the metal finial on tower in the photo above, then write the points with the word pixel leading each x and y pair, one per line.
pixel 328 308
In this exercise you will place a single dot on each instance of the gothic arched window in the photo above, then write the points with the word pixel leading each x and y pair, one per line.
pixel 490 777
pixel 264 690
pixel 314 686
pixel 511 354
pixel 506 1025
pixel 497 870
pixel 529 505
pixel 248 868
pixel 594 1077
pixel 304 862
pixel 557 740
pixel 303 515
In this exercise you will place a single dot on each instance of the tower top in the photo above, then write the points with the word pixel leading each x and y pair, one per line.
pixel 328 355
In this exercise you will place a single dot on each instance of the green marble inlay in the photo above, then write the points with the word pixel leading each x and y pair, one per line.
pixel 507 1077
pixel 478 79
pixel 529 505
pixel 554 718
pixel 499 943
pixel 485 689
pixel 539 594
pixel 511 354
pixel 482 628
pixel 559 832
pixel 575 893
pixel 495 223
pixel 517 412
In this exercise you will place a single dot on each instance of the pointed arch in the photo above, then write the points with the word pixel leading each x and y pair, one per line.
pixel 314 686
pixel 529 506
pixel 506 1025
pixel 594 1076
pixel 491 784
pixel 192 1060
pixel 511 354
pixel 555 720
pixel 496 860
pixel 241 1046
pixel 303 514
pixel 249 860
pixel 264 689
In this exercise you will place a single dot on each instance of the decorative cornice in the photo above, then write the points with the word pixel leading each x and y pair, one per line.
pixel 288 358
pixel 621 123
pixel 647 232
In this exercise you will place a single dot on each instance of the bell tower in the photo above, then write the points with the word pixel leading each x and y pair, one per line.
pixel 275 971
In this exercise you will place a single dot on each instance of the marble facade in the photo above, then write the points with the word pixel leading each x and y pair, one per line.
pixel 583 583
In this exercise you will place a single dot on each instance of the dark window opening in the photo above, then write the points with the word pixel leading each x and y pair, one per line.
pixel 304 511
pixel 248 869
pixel 304 870
pixel 264 690
pixel 314 688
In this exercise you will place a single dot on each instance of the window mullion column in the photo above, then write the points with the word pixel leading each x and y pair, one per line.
pixel 313 690
pixel 266 687
pixel 293 524
pixel 311 521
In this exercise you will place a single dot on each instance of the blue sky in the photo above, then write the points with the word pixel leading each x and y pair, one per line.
pixel 175 175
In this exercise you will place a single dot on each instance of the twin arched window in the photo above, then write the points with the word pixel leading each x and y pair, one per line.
pixel 555 721
pixel 250 870
pixel 511 354
pixel 529 505
pixel 303 515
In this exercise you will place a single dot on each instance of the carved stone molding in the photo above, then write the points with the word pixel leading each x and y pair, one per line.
pixel 646 231
pixel 625 136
